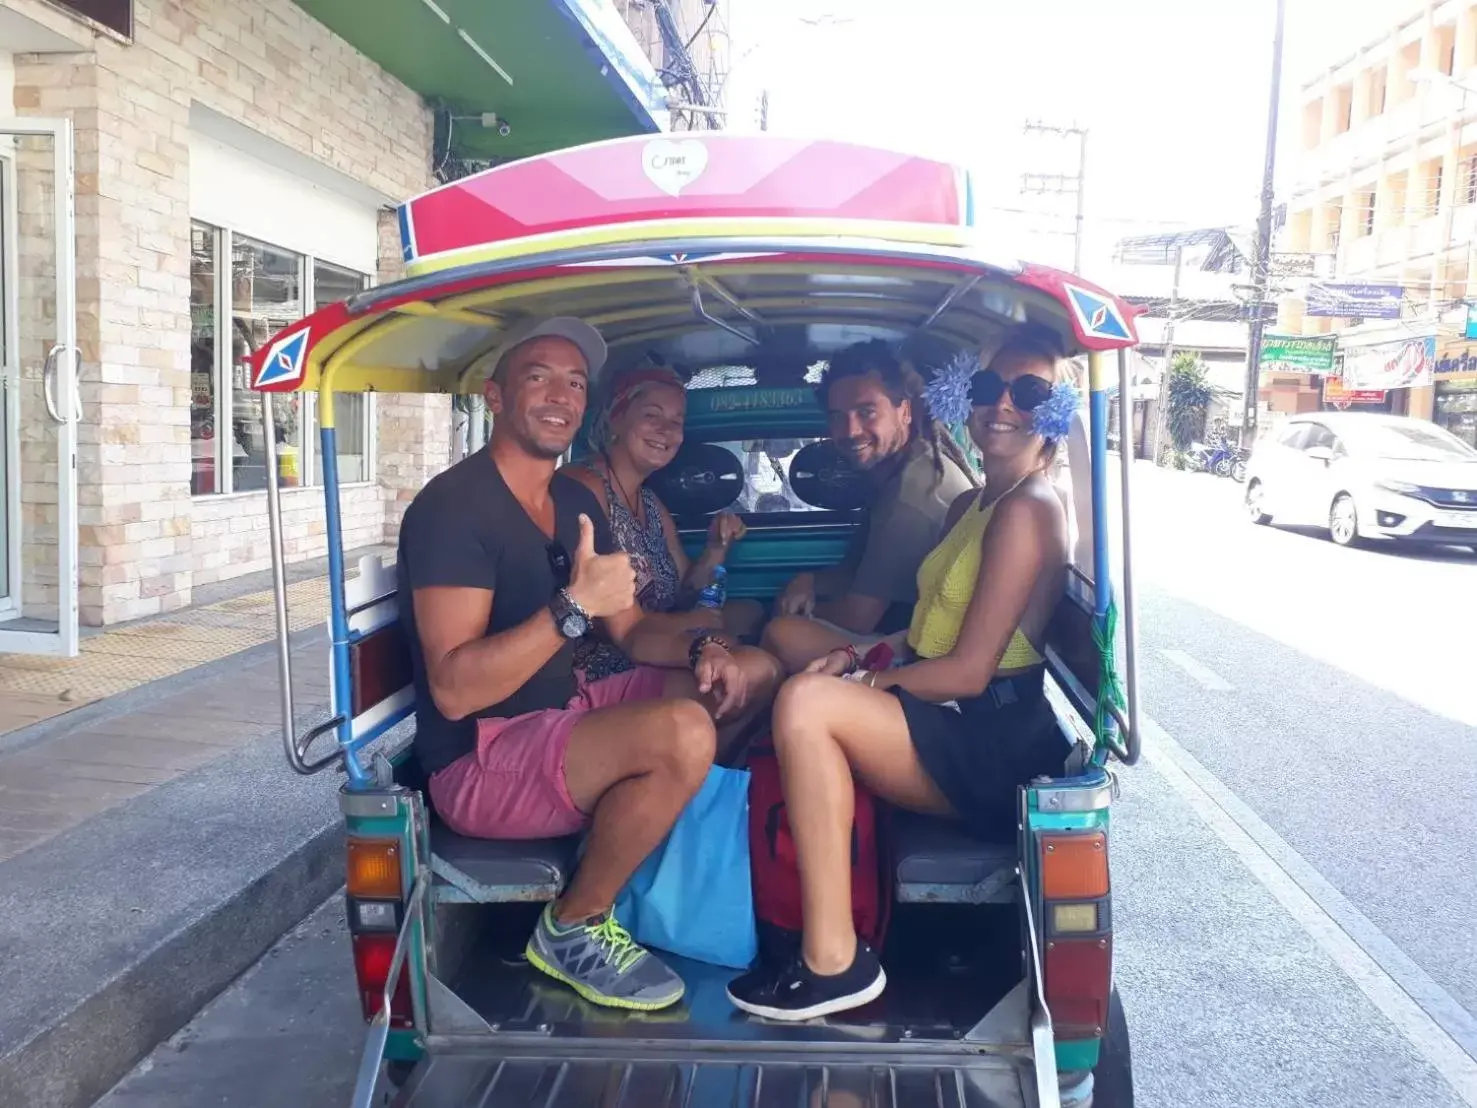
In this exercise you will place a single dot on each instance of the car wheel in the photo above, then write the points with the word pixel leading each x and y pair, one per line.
pixel 1343 521
pixel 1256 496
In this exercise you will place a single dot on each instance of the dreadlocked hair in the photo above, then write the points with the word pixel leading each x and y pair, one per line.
pixel 900 382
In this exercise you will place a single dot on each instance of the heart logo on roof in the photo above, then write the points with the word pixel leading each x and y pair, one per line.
pixel 672 166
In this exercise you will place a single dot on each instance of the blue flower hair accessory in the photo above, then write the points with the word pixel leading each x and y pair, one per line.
pixel 1052 418
pixel 947 395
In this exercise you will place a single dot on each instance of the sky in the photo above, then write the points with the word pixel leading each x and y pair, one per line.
pixel 1174 94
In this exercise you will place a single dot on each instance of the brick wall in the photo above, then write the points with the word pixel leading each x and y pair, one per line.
pixel 143 541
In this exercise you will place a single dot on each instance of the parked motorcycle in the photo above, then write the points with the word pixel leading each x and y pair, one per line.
pixel 1198 459
pixel 1221 458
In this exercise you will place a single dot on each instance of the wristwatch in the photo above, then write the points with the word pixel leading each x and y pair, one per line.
pixel 571 620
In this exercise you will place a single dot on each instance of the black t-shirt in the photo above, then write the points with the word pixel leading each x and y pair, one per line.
pixel 465 528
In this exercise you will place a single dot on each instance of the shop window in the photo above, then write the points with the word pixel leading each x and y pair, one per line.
pixel 266 296
pixel 351 423
pixel 204 393
pixel 269 288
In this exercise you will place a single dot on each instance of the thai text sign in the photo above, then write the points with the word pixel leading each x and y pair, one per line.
pixel 1391 365
pixel 1291 354
pixel 1354 301
pixel 1457 359
pixel 1340 397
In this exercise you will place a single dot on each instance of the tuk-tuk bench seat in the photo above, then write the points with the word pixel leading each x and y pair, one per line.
pixel 486 871
pixel 939 862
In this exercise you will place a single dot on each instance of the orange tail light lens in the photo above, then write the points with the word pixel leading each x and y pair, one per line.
pixel 1074 867
pixel 374 868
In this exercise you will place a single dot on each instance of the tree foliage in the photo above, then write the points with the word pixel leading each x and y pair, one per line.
pixel 1189 396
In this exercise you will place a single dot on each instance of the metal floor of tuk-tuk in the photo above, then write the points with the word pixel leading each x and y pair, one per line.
pixel 947 968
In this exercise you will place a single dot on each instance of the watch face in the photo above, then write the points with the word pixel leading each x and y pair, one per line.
pixel 572 626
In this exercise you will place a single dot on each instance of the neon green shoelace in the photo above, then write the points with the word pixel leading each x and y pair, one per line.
pixel 620 948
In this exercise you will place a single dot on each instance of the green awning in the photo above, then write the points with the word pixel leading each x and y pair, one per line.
pixel 557 72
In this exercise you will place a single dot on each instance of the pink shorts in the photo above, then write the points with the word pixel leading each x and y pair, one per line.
pixel 512 785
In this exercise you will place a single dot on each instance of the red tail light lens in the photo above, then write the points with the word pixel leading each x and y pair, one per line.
pixel 372 957
pixel 1079 977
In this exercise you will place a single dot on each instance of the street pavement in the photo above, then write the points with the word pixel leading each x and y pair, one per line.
pixel 1295 881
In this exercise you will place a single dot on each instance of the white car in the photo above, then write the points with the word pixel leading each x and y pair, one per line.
pixel 1365 476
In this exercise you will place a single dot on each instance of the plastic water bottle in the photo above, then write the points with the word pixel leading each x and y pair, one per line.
pixel 716 590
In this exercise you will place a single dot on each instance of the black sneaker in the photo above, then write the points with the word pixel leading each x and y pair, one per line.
pixel 798 993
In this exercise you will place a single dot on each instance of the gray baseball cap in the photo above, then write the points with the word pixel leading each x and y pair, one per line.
pixel 577 331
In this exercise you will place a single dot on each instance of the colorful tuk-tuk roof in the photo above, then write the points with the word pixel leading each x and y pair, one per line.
pixel 692 251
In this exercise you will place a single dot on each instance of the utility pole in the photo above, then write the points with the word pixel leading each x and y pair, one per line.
pixel 1063 183
pixel 1260 271
pixel 1161 408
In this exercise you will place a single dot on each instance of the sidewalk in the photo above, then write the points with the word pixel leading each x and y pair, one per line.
pixel 80 735
pixel 153 841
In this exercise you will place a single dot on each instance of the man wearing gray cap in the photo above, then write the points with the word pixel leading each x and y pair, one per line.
pixel 504 563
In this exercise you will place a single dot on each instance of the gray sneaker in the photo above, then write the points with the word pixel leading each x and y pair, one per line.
pixel 598 959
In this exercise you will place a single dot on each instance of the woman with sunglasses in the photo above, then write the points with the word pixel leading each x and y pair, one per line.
pixel 635 433
pixel 961 720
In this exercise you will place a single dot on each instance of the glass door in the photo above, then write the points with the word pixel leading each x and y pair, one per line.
pixel 41 408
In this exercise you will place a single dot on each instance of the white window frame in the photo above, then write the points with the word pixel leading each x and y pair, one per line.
pixel 223 239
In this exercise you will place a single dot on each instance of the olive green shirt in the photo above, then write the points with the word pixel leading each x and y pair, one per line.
pixel 903 523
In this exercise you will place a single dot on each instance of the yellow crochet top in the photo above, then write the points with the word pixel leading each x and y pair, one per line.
pixel 946 582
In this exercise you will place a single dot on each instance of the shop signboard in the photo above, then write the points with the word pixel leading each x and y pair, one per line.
pixel 1335 393
pixel 1354 300
pixel 1292 354
pixel 1456 359
pixel 1406 363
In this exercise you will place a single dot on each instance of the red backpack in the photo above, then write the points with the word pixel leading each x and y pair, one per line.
pixel 776 875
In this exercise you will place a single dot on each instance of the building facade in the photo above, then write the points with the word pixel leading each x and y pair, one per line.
pixel 233 167
pixel 1384 211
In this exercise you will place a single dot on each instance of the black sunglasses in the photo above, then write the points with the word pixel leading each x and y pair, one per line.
pixel 560 564
pixel 1027 392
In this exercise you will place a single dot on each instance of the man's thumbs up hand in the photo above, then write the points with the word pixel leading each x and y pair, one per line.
pixel 601 584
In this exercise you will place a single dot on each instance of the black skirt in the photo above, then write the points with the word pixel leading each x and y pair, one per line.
pixel 981 752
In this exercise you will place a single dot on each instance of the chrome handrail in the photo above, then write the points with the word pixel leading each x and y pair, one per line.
pixel 295 748
pixel 1132 738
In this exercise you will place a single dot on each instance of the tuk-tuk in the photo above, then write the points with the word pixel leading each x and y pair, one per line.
pixel 743 262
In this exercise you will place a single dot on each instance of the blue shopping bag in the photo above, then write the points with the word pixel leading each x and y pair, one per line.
pixel 692 896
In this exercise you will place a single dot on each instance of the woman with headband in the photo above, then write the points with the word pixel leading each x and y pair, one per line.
pixel 635 433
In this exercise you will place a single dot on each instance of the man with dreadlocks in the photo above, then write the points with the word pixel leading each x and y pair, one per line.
pixel 879 422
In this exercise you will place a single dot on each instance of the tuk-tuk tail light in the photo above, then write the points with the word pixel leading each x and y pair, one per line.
pixel 1074 866
pixel 374 915
pixel 1073 918
pixel 1079 979
pixel 373 952
pixel 374 869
